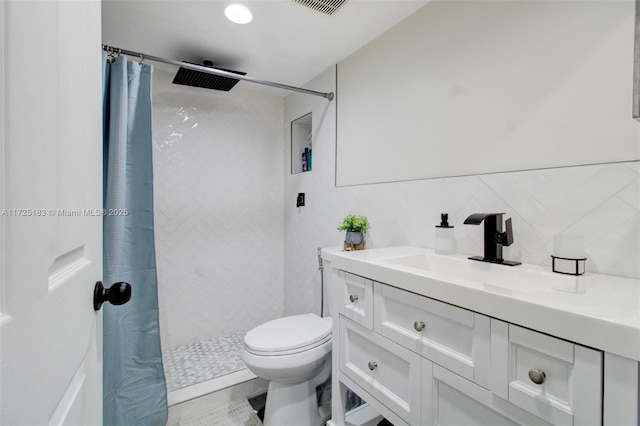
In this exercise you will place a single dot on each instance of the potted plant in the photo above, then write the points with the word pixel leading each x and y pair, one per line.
pixel 356 227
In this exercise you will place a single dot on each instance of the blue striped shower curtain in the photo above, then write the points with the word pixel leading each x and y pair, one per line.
pixel 133 378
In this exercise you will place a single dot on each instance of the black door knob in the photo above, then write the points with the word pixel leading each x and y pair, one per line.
pixel 117 294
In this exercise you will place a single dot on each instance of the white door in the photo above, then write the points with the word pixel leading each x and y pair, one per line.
pixel 51 239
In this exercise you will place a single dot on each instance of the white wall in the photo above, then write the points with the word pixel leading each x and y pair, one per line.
pixel 218 161
pixel 470 87
pixel 601 202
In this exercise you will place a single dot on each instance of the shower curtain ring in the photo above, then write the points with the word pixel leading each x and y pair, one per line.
pixel 141 59
pixel 110 54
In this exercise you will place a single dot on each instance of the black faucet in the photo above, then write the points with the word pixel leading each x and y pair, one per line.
pixel 494 238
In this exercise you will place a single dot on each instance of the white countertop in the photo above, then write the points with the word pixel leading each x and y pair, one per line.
pixel 596 310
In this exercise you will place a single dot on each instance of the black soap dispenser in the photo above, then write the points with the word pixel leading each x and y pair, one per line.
pixel 445 236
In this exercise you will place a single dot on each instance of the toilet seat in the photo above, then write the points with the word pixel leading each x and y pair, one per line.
pixel 288 335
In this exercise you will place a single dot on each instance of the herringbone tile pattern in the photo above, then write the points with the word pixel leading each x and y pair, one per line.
pixel 218 161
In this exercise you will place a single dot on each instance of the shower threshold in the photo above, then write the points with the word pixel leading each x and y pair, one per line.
pixel 227 384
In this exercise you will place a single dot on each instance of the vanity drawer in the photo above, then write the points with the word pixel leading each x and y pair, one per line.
pixel 451 400
pixel 559 381
pixel 356 298
pixel 382 368
pixel 452 337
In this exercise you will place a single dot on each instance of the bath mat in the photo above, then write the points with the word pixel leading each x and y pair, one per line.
pixel 233 413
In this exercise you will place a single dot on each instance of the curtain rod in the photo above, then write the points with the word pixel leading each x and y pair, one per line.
pixel 216 71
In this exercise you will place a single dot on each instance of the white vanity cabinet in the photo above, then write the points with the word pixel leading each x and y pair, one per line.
pixel 420 361
pixel 452 337
pixel 383 369
pixel 556 380
pixel 451 400
pixel 356 299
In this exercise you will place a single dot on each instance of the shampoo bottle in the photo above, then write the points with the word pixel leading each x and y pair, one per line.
pixel 445 236
pixel 304 159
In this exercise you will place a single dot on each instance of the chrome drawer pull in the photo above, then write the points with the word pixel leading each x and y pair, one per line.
pixel 418 325
pixel 373 365
pixel 537 376
pixel 353 298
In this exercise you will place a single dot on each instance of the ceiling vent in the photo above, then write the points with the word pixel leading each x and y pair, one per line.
pixel 327 7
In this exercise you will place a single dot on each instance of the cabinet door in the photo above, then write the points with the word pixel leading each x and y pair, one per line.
pixel 386 371
pixel 356 298
pixel 453 337
pixel 448 399
pixel 556 380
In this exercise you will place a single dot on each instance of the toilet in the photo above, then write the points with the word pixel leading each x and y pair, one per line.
pixel 294 354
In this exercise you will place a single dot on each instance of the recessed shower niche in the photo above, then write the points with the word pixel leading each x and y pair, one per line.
pixel 301 141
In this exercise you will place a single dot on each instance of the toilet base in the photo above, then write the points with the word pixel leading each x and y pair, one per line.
pixel 295 404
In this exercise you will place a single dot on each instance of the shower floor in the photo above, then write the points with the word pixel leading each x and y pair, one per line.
pixel 199 362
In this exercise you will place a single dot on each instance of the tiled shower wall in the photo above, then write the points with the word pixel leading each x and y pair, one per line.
pixel 601 202
pixel 218 161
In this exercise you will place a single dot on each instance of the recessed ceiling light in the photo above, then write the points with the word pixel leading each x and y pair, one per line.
pixel 238 13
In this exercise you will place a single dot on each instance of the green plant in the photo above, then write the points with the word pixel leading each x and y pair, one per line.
pixel 354 223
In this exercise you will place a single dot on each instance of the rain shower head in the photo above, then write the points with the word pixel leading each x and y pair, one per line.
pixel 188 77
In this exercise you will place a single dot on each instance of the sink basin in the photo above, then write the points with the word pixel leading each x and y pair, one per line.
pixel 491 276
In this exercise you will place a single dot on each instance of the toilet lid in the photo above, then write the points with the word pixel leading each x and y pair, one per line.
pixel 288 333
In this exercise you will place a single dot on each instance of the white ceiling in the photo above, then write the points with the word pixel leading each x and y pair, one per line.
pixel 286 42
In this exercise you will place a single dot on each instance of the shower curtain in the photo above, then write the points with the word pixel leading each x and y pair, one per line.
pixel 133 378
